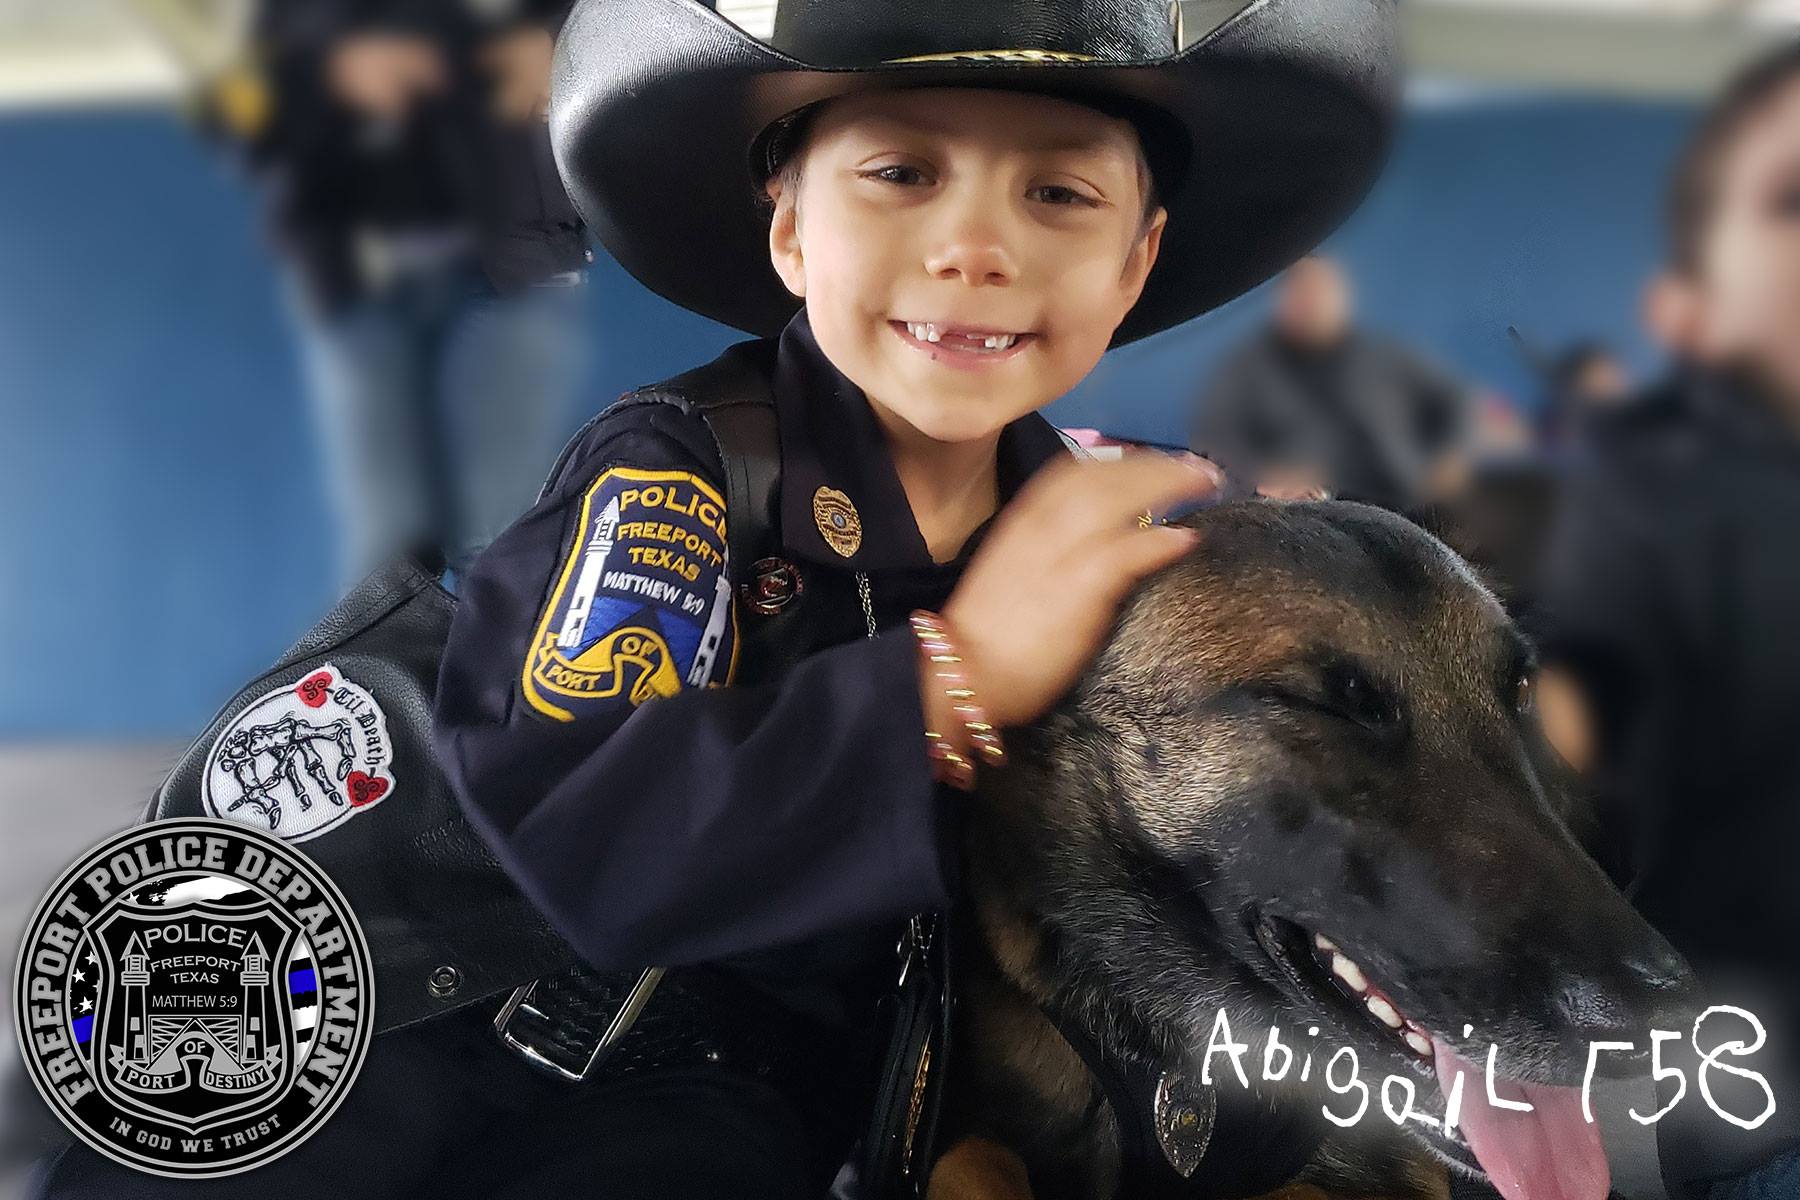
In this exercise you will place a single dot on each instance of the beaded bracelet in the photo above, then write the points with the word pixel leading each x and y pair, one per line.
pixel 948 764
pixel 935 640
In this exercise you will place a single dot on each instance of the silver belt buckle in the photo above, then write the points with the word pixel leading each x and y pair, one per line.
pixel 618 1027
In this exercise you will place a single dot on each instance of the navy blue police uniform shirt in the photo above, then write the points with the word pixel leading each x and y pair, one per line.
pixel 656 806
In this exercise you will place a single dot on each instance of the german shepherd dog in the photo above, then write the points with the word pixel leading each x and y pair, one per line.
pixel 1303 784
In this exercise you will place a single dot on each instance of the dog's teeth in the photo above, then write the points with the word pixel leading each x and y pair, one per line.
pixel 1324 943
pixel 1419 1042
pixel 1384 1012
pixel 1349 972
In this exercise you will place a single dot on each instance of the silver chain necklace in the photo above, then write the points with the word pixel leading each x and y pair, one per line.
pixel 868 605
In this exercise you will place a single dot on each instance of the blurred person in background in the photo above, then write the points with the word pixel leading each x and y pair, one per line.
pixel 1586 379
pixel 437 269
pixel 1669 615
pixel 1314 405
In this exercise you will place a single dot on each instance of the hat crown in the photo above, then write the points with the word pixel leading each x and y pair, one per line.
pixel 867 33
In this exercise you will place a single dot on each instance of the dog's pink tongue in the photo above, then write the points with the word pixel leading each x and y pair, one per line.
pixel 1550 1153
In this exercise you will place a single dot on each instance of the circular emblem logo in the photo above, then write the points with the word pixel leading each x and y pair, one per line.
pixel 837 520
pixel 774 582
pixel 302 759
pixel 193 998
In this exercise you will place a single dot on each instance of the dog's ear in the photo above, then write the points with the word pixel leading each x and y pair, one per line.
pixel 1440 521
pixel 1453 525
pixel 1499 524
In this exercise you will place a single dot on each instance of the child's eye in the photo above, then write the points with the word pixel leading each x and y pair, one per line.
pixel 1056 193
pixel 900 173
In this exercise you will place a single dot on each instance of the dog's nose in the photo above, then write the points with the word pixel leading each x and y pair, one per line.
pixel 1649 989
pixel 1668 993
pixel 1593 1011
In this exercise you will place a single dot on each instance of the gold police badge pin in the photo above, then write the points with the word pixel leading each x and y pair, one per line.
pixel 837 521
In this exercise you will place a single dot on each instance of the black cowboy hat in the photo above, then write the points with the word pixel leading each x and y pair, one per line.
pixel 1263 132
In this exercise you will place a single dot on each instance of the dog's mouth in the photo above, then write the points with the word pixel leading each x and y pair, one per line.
pixel 1549 1153
pixel 1354 984
pixel 1330 980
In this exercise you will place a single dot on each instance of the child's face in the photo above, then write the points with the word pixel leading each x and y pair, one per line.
pixel 1746 291
pixel 978 213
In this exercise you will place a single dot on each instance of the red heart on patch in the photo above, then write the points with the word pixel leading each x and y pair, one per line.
pixel 365 788
pixel 314 689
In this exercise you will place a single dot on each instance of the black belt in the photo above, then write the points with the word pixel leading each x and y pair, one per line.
pixel 581 1025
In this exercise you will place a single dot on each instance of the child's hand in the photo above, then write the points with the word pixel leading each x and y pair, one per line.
pixel 1041 592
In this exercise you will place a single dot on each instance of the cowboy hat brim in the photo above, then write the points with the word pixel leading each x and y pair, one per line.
pixel 1286 107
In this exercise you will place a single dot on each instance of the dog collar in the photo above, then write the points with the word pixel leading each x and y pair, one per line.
pixel 1169 1122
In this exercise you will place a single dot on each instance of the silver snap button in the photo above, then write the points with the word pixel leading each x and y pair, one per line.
pixel 444 981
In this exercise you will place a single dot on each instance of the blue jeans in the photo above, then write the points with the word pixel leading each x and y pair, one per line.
pixel 1777 1179
pixel 441 405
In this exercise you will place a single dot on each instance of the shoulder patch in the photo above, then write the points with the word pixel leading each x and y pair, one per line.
pixel 302 759
pixel 642 604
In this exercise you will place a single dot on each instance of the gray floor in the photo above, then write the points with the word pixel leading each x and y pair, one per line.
pixel 58 800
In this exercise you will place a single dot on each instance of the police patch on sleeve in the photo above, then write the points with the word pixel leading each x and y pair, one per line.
pixel 642 605
pixel 302 759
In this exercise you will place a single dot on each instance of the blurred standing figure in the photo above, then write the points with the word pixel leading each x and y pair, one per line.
pixel 437 268
pixel 1586 380
pixel 1670 602
pixel 1313 404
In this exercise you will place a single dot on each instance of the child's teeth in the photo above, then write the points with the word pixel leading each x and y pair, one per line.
pixel 926 331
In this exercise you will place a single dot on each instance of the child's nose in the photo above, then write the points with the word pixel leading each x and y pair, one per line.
pixel 981 263
pixel 972 247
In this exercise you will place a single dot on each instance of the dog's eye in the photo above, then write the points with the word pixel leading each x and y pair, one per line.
pixel 1525 696
pixel 1355 695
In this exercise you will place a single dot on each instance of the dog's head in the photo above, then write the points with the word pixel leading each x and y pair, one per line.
pixel 1304 782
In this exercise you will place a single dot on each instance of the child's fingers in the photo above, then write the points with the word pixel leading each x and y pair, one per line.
pixel 1117 564
pixel 1097 498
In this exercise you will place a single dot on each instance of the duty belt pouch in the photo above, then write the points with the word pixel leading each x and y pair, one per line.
pixel 331 748
pixel 899 1147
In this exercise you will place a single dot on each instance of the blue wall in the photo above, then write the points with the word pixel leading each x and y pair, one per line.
pixel 163 533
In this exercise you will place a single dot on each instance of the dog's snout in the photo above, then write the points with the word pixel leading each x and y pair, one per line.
pixel 1670 993
pixel 1592 1011
pixel 1649 989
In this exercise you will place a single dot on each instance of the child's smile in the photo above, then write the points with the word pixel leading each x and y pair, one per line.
pixel 964 347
